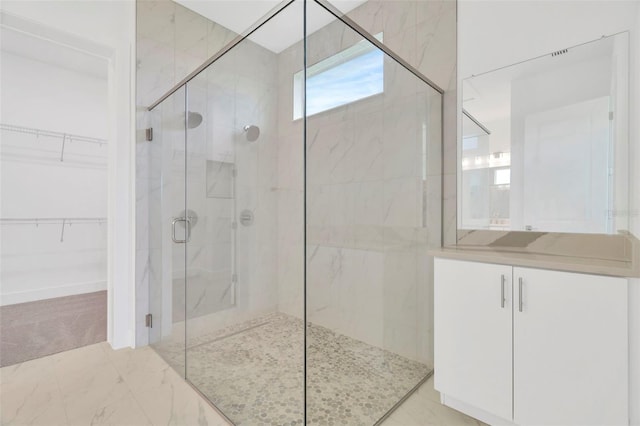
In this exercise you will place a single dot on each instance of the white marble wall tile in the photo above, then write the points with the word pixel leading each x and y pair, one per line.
pixel 290 161
pixel 191 31
pixel 365 165
pixel 324 274
pixel 366 159
pixel 402 142
pixel 363 295
pixel 345 291
pixel 398 15
pixel 433 24
pixel 430 106
pixel 217 38
pixel 158 17
pixel 219 179
pixel 403 42
pixel 268 165
pixel 291 279
pixel 433 193
pixel 290 227
pixel 155 73
pixel 142 213
pixel 449 200
pixel 401 203
pixel 332 38
pixel 255 62
pixel 368 203
pixel 327 149
pixel 370 16
pixel 237 90
pixel 425 312
pixel 402 339
pixel 436 41
pixel 399 83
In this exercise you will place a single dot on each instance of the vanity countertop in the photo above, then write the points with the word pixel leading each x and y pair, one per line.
pixel 543 261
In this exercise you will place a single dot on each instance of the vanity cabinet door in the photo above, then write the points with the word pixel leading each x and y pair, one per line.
pixel 570 349
pixel 473 334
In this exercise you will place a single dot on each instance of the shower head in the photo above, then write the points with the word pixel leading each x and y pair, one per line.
pixel 253 132
pixel 194 119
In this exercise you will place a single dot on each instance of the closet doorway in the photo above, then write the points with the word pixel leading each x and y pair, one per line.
pixel 54 155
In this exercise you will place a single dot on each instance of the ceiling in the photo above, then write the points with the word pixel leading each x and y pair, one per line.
pixel 283 30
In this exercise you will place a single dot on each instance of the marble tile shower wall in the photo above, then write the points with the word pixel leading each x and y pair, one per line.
pixel 235 91
pixel 171 41
pixel 371 216
pixel 423 33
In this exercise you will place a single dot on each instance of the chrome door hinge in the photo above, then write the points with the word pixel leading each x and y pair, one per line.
pixel 234 278
pixel 148 134
pixel 148 320
pixel 611 115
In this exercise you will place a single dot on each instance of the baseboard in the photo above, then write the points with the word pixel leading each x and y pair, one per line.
pixel 52 292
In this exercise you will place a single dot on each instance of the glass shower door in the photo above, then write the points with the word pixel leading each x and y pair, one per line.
pixel 244 328
pixel 169 230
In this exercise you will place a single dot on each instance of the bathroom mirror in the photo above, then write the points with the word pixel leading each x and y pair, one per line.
pixel 544 143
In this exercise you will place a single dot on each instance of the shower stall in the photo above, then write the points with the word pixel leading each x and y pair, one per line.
pixel 294 196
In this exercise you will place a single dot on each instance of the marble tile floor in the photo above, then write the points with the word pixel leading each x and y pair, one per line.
pixel 97 385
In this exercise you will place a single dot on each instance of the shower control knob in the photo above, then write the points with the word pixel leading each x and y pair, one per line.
pixel 246 217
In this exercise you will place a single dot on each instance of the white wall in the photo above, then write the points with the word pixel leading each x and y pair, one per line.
pixel 106 28
pixel 536 28
pixel 35 184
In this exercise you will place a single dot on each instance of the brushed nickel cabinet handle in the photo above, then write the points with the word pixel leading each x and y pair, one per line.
pixel 503 279
pixel 520 294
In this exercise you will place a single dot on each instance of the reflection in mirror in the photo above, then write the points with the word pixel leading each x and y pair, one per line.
pixel 544 143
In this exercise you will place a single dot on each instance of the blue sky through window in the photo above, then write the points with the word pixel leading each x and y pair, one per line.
pixel 350 81
pixel 347 76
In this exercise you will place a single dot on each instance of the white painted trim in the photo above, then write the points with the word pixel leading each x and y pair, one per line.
pixel 52 292
pixel 474 412
pixel 121 193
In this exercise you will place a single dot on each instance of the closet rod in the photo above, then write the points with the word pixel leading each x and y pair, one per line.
pixel 64 136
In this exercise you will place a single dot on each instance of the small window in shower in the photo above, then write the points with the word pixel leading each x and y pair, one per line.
pixel 348 76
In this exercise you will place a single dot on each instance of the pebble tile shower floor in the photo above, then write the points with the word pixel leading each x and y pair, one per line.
pixel 253 372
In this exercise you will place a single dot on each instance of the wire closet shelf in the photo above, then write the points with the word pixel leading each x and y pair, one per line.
pixel 65 137
pixel 61 221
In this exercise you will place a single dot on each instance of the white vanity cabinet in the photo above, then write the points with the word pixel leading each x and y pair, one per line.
pixel 531 346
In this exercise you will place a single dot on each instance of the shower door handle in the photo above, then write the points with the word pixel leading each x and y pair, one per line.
pixel 187 225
